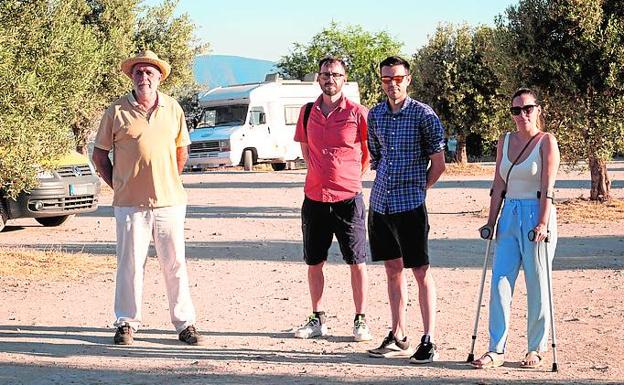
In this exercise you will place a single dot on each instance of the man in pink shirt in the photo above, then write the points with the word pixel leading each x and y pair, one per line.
pixel 332 134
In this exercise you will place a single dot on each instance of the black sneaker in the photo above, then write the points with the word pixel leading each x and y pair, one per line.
pixel 123 335
pixel 190 336
pixel 392 348
pixel 425 353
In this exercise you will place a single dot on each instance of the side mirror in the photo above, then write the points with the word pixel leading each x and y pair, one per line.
pixel 262 118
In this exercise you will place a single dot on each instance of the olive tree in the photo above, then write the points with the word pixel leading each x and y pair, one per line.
pixel 361 50
pixel 59 69
pixel 572 52
pixel 451 75
pixel 48 63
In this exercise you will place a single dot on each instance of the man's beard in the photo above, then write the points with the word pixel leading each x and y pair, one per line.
pixel 331 89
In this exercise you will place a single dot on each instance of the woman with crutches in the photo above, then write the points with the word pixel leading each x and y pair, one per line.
pixel 525 185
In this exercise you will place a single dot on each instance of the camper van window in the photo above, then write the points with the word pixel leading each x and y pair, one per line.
pixel 257 116
pixel 223 116
pixel 291 114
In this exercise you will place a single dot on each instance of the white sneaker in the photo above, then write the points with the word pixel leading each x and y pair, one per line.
pixel 313 328
pixel 360 330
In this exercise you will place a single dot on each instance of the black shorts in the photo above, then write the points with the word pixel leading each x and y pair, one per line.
pixel 399 235
pixel 321 220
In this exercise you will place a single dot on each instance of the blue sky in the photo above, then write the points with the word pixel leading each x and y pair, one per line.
pixel 267 29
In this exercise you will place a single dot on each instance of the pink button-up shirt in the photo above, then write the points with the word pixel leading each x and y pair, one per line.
pixel 337 145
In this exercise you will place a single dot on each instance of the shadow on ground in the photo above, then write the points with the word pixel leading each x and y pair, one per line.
pixel 202 364
pixel 237 212
pixel 572 253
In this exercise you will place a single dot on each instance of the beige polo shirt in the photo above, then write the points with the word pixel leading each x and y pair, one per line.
pixel 145 170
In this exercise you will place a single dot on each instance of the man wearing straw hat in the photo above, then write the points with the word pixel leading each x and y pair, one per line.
pixel 147 133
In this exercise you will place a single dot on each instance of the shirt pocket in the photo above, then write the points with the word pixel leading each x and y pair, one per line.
pixel 344 133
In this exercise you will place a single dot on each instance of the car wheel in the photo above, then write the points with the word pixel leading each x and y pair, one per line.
pixel 3 217
pixel 52 221
pixel 278 166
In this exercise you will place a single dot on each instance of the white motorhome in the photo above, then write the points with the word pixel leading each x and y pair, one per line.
pixel 253 123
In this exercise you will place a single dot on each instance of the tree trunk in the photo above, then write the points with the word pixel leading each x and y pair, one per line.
pixel 600 182
pixel 461 155
pixel 80 142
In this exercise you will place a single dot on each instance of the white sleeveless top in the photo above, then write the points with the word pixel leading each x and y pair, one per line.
pixel 524 180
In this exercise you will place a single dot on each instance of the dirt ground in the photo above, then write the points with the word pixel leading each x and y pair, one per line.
pixel 249 287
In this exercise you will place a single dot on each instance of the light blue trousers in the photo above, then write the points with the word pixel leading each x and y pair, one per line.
pixel 513 249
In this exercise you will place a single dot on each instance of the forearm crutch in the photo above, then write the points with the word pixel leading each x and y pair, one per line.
pixel 550 297
pixel 486 233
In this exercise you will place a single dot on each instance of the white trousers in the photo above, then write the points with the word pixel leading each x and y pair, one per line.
pixel 136 227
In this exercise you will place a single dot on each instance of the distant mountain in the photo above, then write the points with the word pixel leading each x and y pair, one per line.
pixel 224 70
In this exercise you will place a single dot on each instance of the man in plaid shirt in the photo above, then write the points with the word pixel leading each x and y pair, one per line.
pixel 404 135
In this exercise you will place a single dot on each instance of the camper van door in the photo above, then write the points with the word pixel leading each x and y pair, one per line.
pixel 259 133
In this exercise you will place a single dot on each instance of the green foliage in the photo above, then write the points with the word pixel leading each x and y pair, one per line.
pixel 573 53
pixel 451 75
pixel 113 23
pixel 39 38
pixel 361 50
pixel 60 67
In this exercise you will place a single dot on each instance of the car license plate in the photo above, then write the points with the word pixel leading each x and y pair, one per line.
pixel 81 189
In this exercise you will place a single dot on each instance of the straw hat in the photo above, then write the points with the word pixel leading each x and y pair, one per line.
pixel 148 57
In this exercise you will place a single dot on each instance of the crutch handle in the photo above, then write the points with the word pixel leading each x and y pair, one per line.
pixel 532 236
pixel 486 232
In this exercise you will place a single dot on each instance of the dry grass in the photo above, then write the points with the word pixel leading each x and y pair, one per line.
pixel 53 264
pixel 467 169
pixel 582 210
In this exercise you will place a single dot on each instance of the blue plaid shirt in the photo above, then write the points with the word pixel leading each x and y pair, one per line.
pixel 400 145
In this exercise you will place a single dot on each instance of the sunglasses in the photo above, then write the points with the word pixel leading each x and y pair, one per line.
pixel 389 79
pixel 327 75
pixel 528 109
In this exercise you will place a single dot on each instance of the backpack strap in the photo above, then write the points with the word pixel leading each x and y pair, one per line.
pixel 306 116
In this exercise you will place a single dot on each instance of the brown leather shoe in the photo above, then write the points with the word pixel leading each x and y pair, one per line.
pixel 123 335
pixel 190 336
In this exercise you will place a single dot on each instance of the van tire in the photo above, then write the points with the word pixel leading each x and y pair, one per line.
pixel 52 221
pixel 248 160
pixel 278 166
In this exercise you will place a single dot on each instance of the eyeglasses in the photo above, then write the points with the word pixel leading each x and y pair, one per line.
pixel 528 109
pixel 397 79
pixel 327 75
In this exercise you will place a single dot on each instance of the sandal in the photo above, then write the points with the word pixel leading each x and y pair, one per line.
pixel 529 361
pixel 495 360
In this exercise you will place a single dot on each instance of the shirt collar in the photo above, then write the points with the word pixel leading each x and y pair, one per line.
pixel 160 100
pixel 342 102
